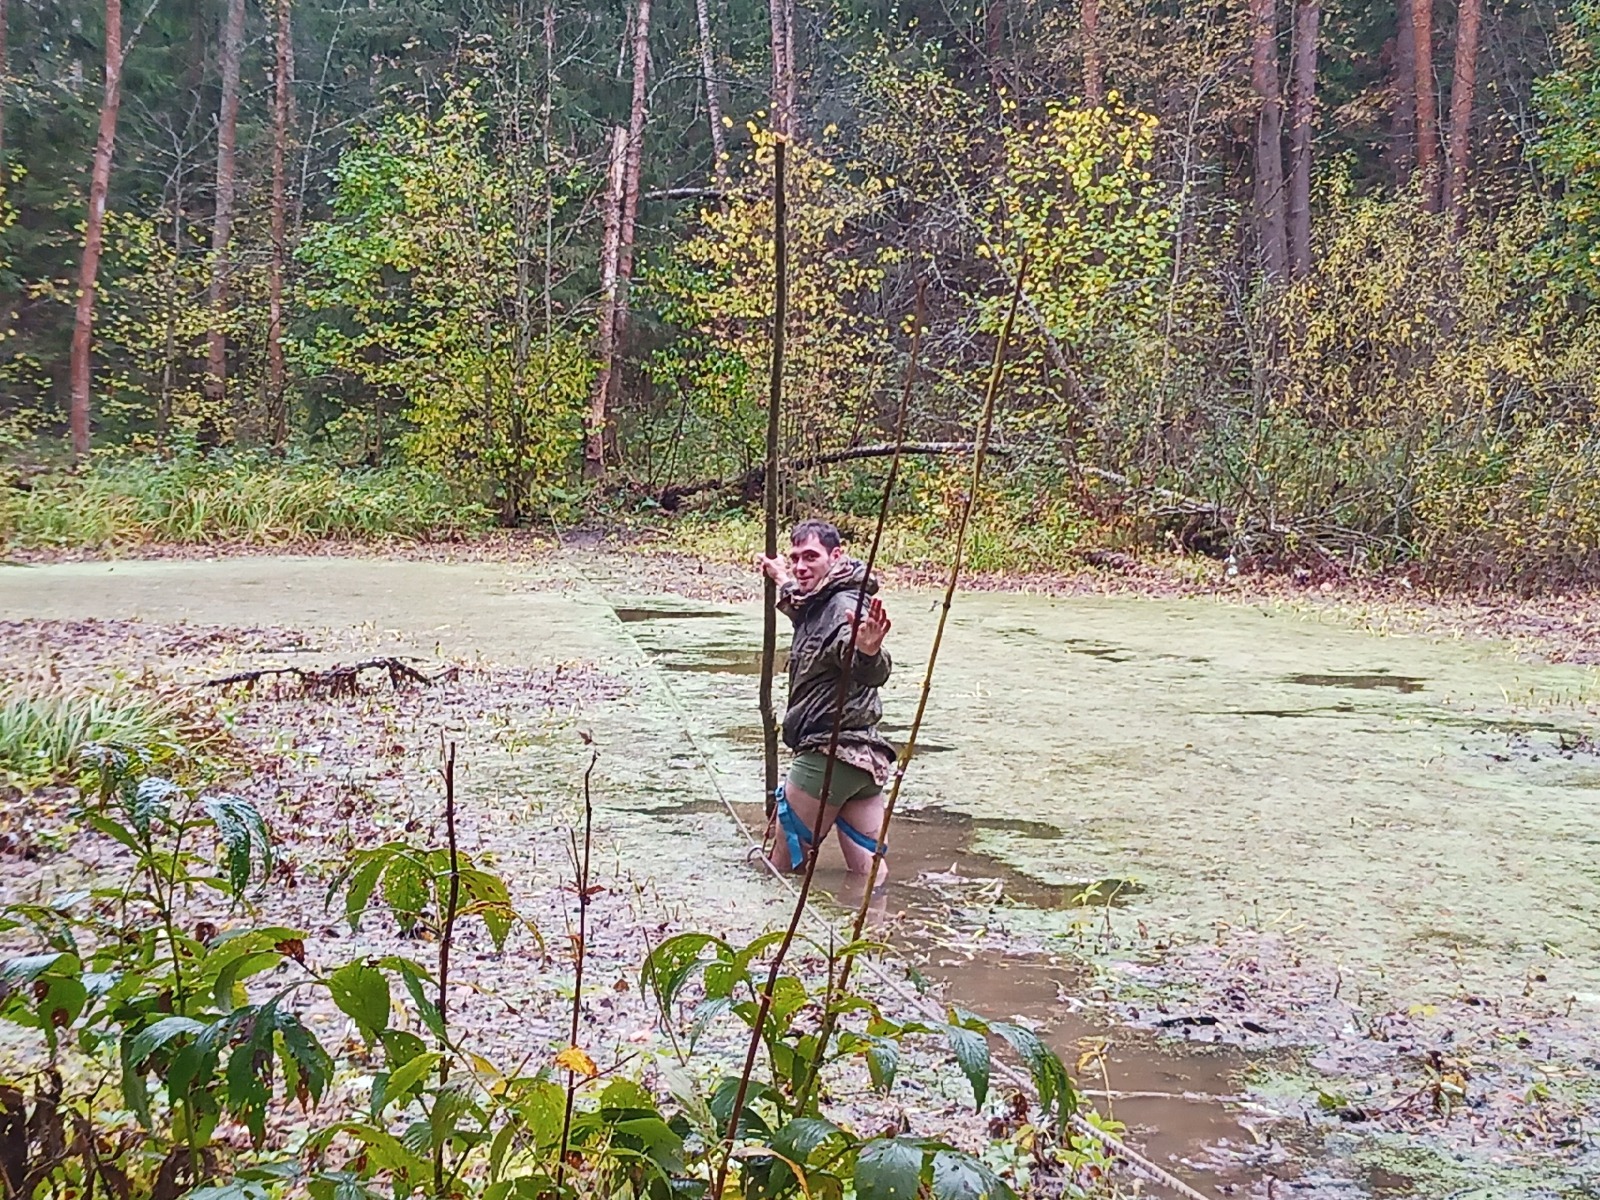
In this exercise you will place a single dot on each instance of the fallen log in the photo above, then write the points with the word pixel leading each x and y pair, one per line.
pixel 1245 531
pixel 752 483
pixel 338 680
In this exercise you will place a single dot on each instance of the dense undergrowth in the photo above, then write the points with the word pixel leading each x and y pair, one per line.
pixel 1514 510
pixel 195 498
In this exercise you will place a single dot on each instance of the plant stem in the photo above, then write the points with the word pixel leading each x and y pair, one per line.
pixel 446 938
pixel 580 948
pixel 986 424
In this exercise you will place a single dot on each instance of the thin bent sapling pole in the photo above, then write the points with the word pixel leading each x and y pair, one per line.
pixel 764 999
pixel 986 425
pixel 580 861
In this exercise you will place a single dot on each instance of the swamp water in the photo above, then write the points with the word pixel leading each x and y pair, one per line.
pixel 1409 812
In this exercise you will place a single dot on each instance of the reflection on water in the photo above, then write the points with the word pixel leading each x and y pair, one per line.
pixel 724 662
pixel 632 615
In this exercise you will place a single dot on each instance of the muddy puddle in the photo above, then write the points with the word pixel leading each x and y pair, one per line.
pixel 1418 816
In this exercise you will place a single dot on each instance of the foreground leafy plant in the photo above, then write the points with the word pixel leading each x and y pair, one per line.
pixel 166 1045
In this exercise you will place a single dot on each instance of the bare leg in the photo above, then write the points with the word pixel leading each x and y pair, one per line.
pixel 805 807
pixel 865 814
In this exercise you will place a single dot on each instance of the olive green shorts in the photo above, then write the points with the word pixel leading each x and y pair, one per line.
pixel 848 782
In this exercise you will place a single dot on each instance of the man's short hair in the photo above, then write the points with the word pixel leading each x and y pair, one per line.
pixel 823 531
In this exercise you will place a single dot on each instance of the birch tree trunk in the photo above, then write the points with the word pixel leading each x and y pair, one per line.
pixel 1469 23
pixel 1271 232
pixel 708 70
pixel 277 412
pixel 5 81
pixel 1302 118
pixel 791 68
pixel 638 111
pixel 1427 107
pixel 780 12
pixel 222 219
pixel 594 445
pixel 94 233
pixel 628 217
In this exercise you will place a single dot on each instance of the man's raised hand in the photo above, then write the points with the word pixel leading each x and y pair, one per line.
pixel 873 628
pixel 775 569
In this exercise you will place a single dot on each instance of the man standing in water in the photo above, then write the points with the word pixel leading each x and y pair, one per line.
pixel 819 588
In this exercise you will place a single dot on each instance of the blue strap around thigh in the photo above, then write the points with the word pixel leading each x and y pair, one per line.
pixel 796 833
pixel 855 835
pixel 794 829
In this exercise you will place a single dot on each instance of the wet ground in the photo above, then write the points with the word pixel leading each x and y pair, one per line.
pixel 1411 820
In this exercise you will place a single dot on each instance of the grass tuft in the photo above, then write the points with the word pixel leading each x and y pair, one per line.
pixel 42 731
pixel 196 498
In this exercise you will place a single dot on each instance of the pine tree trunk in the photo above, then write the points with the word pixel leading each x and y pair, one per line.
pixel 1403 101
pixel 708 70
pixel 222 220
pixel 1271 232
pixel 277 411
pixel 994 33
pixel 94 232
pixel 1427 104
pixel 1094 84
pixel 5 81
pixel 1469 23
pixel 1302 118
pixel 594 445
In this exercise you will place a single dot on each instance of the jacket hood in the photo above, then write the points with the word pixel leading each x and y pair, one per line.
pixel 848 574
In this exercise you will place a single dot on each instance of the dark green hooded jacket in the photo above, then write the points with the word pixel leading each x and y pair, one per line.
pixel 821 639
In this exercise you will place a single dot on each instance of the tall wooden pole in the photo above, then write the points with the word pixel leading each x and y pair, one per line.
pixel 780 309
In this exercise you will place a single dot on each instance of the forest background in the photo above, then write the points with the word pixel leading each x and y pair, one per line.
pixel 1309 285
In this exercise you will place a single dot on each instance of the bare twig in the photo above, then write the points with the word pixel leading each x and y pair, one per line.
pixel 580 861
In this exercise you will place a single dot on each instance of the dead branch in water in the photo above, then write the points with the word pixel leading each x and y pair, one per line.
pixel 338 680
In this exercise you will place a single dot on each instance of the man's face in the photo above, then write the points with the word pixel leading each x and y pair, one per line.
pixel 810 561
